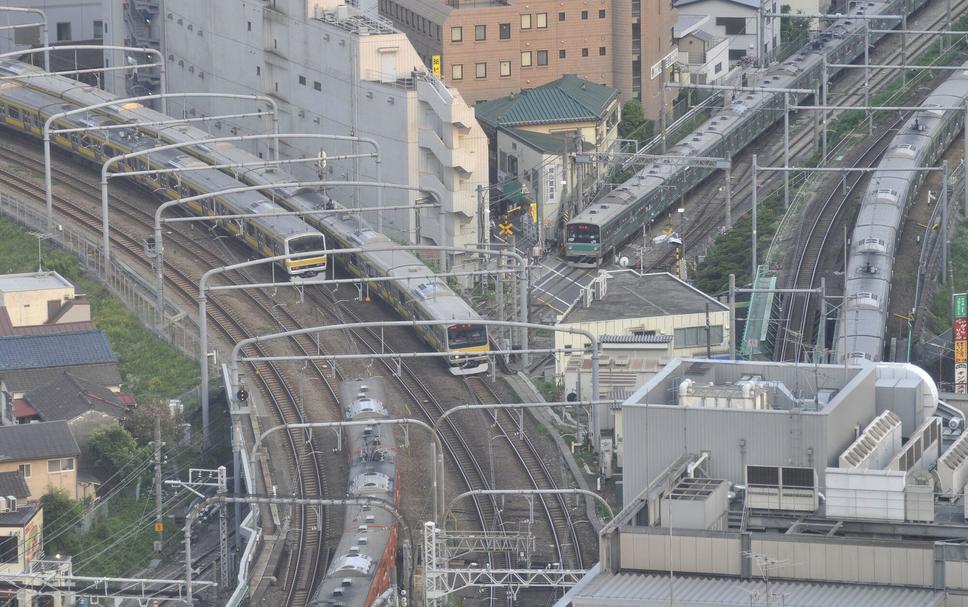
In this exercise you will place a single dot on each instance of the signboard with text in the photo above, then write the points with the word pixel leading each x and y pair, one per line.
pixel 435 65
pixel 959 307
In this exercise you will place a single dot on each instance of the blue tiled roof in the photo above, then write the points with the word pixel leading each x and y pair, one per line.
pixel 55 350
pixel 568 99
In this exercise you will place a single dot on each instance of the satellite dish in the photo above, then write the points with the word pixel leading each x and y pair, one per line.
pixel 623 261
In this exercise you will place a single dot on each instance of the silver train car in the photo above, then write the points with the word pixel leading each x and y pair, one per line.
pixel 364 559
pixel 415 293
pixel 870 266
pixel 601 229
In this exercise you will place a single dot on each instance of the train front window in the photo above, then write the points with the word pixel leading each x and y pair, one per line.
pixel 305 244
pixel 583 233
pixel 466 336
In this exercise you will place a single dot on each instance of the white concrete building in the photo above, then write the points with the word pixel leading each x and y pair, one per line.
pixel 335 70
pixel 705 56
pixel 736 20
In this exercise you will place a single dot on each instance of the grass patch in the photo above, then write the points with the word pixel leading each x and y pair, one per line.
pixel 941 303
pixel 150 368
pixel 550 390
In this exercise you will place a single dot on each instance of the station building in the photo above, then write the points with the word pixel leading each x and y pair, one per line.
pixel 764 483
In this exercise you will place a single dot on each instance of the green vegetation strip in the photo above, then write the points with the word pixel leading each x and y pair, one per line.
pixel 941 303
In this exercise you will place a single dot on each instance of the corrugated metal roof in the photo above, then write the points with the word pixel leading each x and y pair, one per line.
pixel 55 350
pixel 568 99
pixel 37 441
pixel 628 589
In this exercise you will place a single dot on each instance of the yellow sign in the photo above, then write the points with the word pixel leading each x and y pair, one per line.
pixel 506 229
pixel 961 351
pixel 435 65
pixel 159 527
pixel 534 212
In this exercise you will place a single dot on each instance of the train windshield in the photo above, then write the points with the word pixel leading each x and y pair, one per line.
pixel 582 233
pixel 466 336
pixel 305 244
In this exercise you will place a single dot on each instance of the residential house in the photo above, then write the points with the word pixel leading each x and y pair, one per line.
pixel 534 137
pixel 86 406
pixel 21 527
pixel 40 299
pixel 30 361
pixel 704 56
pixel 46 454
pixel 737 21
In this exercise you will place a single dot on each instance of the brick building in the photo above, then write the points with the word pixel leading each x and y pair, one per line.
pixel 491 48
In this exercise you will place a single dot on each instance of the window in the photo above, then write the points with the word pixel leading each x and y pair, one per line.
pixel 317 85
pixel 541 20
pixel 526 22
pixel 457 71
pixel 456 34
pixel 561 16
pixel 504 31
pixel 734 25
pixel 526 59
pixel 480 70
pixel 584 14
pixel 561 53
pixel 8 549
pixel 480 32
pixel 736 54
pixel 24 470
pixel 584 52
pixel 63 31
pixel 60 465
pixel 302 80
pixel 248 25
pixel 719 67
pixel 258 70
pixel 696 336
pixel 601 13
pixel 542 57
pixel 505 69
pixel 601 51
pixel 513 165
pixel 98 29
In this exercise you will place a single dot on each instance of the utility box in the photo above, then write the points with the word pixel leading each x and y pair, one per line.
pixel 696 503
pixel 919 497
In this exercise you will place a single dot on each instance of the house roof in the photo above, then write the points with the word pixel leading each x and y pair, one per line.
pixel 68 396
pixel 686 24
pixel 55 350
pixel 559 143
pixel 568 99
pixel 7 329
pixel 33 281
pixel 25 380
pixel 42 440
pixel 633 295
pixel 22 408
pixel 13 483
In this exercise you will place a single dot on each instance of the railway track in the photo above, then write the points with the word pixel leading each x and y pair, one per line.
pixel 556 507
pixel 797 328
pixel 705 225
pixel 304 569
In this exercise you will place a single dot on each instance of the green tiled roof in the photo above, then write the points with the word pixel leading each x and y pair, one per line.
pixel 568 99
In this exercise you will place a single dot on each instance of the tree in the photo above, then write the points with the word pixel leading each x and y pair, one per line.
pixel 114 448
pixel 141 423
pixel 61 515
pixel 634 124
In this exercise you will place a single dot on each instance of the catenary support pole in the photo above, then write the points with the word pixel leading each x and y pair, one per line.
pixel 753 232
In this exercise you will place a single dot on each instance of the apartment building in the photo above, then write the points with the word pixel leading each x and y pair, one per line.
pixel 489 49
pixel 492 48
pixel 335 70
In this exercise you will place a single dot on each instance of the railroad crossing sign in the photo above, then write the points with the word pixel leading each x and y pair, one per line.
pixel 506 228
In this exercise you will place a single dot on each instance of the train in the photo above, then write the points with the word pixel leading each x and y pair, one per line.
pixel 870 264
pixel 364 559
pixel 606 224
pixel 28 98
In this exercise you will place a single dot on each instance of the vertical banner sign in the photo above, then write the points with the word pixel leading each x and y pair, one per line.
pixel 435 65
pixel 960 315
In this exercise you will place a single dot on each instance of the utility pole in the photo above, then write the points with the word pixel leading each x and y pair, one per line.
pixel 225 565
pixel 159 523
